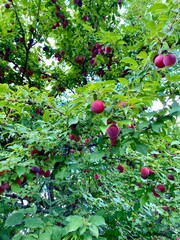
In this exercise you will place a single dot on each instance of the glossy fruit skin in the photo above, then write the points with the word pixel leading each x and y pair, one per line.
pixel 7 5
pixel 161 188
pixel 158 61
pixel 113 132
pixel 145 173
pixel 171 177
pixel 169 60
pixel 97 106
pixel 120 168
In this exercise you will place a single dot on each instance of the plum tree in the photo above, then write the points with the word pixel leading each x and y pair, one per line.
pixel 86 152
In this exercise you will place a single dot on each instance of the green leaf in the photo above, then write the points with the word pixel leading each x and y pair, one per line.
pixel 17 237
pixel 87 236
pixel 97 220
pixel 20 170
pixel 131 61
pixel 57 233
pixel 104 120
pixel 159 7
pixel 75 222
pixel 137 206
pixel 142 55
pixel 127 130
pixel 175 142
pixel 143 125
pixel 144 199
pixel 45 236
pixel 82 230
pixel 30 237
pixel 15 188
pixel 14 219
pixel 46 116
pixel 157 126
pixel 103 129
pixel 34 223
pixel 4 88
pixel 175 107
pixel 72 121
pixel 94 230
pixel 142 148
pixel 124 81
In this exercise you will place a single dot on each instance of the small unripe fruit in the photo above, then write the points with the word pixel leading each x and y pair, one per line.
pixel 165 208
pixel 72 151
pixel 80 59
pixel 62 52
pixel 169 60
pixel 132 126
pixel 72 137
pixel 123 104
pixel 158 61
pixel 85 18
pixel 58 8
pixel 87 141
pixel 47 173
pixel 120 168
pixel 7 5
pixel 161 188
pixel 65 23
pixel 97 106
pixel 96 176
pixel 170 177
pixel 35 169
pixel 38 110
pixel 144 173
pixel 79 3
pixel 108 49
pixel 21 69
pixel 93 62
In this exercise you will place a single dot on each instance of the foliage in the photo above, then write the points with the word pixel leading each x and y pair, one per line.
pixel 59 175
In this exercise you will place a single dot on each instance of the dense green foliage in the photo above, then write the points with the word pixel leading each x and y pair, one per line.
pixel 60 175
